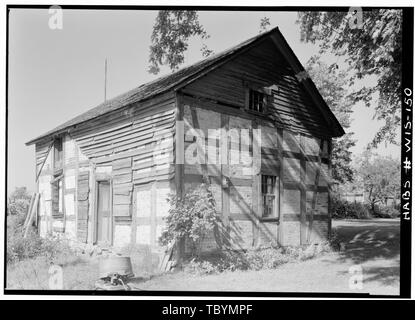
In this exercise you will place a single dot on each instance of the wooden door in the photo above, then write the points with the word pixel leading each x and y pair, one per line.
pixel 104 216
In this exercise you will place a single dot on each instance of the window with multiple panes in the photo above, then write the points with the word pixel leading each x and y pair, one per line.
pixel 269 196
pixel 257 101
pixel 57 182
pixel 57 195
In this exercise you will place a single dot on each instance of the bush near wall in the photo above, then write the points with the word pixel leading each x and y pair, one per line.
pixel 20 248
pixel 255 259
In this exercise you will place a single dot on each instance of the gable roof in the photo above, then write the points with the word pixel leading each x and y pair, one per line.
pixel 189 74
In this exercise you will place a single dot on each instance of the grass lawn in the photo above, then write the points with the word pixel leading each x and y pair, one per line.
pixel 372 244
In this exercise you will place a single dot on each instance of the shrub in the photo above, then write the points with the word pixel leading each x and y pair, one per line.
pixel 255 259
pixel 342 209
pixel 233 260
pixel 201 267
pixel 20 248
pixel 18 202
pixel 191 217
pixel 382 211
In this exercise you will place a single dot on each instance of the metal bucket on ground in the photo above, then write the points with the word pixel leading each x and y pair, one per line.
pixel 119 265
pixel 114 273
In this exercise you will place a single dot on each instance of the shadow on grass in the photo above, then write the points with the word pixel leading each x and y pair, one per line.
pixel 369 241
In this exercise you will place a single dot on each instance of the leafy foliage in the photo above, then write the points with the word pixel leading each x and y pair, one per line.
pixel 332 85
pixel 191 217
pixel 264 24
pixel 18 202
pixel 20 248
pixel 382 211
pixel 33 246
pixel 380 177
pixel 171 33
pixel 343 209
pixel 372 50
pixel 255 259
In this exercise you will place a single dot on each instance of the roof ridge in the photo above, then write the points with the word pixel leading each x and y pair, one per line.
pixel 137 94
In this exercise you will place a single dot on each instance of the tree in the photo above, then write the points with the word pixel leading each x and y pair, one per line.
pixel 18 202
pixel 264 24
pixel 370 48
pixel 170 38
pixel 331 84
pixel 380 177
pixel 171 33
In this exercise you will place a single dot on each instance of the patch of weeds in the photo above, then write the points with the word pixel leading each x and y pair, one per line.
pixel 201 267
pixel 255 259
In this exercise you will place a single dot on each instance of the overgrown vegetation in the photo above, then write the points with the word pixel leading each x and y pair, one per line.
pixel 28 259
pixel 377 178
pixel 256 259
pixel 342 209
pixel 332 85
pixel 191 217
pixel 33 246
pixel 370 47
pixel 18 202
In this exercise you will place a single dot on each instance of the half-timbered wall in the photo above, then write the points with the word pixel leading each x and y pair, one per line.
pixel 133 150
pixel 293 147
pixel 263 67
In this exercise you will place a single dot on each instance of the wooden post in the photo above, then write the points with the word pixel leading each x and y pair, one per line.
pixel 315 193
pixel 179 167
pixel 105 81
pixel 29 210
pixel 280 136
pixel 32 213
pixel 329 147
pixel 256 185
pixel 303 195
pixel 224 158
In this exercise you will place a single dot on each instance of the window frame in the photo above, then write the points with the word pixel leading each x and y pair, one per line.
pixel 265 99
pixel 58 178
pixel 275 216
pixel 58 141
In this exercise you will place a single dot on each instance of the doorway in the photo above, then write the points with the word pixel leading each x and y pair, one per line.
pixel 103 227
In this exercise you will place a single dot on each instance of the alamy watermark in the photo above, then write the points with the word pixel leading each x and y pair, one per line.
pixel 234 146
pixel 56 18
pixel 356 277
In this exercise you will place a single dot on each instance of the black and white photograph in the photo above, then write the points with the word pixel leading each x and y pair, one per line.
pixel 214 151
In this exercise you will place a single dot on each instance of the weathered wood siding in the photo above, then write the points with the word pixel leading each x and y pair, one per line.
pixel 131 148
pixel 263 67
pixel 134 149
pixel 294 147
pixel 44 173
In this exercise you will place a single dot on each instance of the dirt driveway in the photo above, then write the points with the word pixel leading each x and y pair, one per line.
pixel 371 246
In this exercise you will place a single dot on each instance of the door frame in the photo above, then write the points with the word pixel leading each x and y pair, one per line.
pixel 111 218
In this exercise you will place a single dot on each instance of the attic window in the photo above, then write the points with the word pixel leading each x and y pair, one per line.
pixel 257 99
pixel 58 153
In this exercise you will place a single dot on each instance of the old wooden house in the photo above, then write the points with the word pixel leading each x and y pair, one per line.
pixel 104 176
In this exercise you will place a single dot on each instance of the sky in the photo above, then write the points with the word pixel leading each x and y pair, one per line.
pixel 57 74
